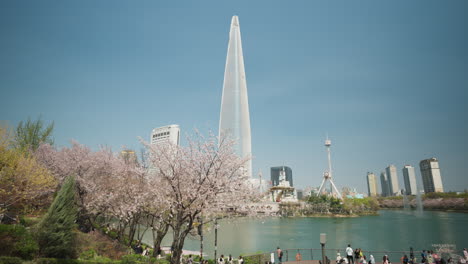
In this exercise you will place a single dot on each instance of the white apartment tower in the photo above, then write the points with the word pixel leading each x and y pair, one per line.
pixel 371 184
pixel 170 133
pixel 234 119
pixel 430 172
pixel 392 177
pixel 410 180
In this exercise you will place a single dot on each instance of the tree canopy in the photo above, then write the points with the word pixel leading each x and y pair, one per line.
pixel 30 135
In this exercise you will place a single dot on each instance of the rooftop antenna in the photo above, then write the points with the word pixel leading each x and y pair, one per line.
pixel 327 175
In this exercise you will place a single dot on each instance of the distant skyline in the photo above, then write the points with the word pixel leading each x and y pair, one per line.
pixel 388 81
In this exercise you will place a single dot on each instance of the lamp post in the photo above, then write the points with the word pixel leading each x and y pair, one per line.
pixel 200 232
pixel 216 239
pixel 323 241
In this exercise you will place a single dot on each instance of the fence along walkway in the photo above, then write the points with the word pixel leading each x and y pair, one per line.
pixel 314 255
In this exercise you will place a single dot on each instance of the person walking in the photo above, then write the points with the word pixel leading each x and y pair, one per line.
pixel 357 255
pixel 385 260
pixel 241 260
pixel 221 260
pixel 423 256
pixel 280 254
pixel 298 256
pixel 371 259
pixel 404 259
pixel 349 254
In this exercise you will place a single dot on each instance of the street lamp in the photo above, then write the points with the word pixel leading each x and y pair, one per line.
pixel 200 233
pixel 323 241
pixel 216 239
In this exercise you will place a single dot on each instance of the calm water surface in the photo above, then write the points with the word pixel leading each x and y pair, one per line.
pixel 391 230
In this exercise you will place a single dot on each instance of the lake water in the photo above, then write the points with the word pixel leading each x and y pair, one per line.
pixel 392 230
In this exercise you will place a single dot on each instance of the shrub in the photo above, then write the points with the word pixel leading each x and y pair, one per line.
pixel 18 242
pixel 74 261
pixel 133 259
pixel 88 254
pixel 10 260
pixel 27 248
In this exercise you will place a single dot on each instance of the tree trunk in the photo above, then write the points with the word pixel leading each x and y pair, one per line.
pixel 178 243
pixel 158 236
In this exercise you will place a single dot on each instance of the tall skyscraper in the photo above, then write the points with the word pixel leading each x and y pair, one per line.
pixel 430 172
pixel 410 180
pixel 392 177
pixel 235 118
pixel 275 172
pixel 165 134
pixel 371 184
pixel 384 184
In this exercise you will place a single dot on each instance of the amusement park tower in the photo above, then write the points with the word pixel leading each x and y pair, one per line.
pixel 327 175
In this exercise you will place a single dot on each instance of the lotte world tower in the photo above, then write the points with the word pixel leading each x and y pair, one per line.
pixel 235 119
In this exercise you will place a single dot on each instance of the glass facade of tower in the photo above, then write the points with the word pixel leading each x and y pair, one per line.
pixel 235 118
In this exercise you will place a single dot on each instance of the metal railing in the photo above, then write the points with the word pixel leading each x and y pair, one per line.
pixel 289 255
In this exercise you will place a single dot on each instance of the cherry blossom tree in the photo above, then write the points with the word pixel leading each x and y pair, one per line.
pixel 108 186
pixel 204 177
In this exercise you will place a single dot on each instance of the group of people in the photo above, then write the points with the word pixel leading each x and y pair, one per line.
pixel 229 260
pixel 431 257
pixel 354 257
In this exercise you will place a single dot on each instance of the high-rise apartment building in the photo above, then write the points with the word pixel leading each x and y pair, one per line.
pixel 165 134
pixel 275 173
pixel 392 177
pixel 410 180
pixel 430 173
pixel 371 184
pixel 234 119
pixel 384 184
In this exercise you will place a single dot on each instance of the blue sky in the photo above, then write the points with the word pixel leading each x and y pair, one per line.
pixel 387 80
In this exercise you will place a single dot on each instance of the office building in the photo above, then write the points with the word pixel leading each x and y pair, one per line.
pixel 371 184
pixel 430 173
pixel 129 156
pixel 410 180
pixel 384 184
pixel 234 117
pixel 165 134
pixel 275 175
pixel 392 178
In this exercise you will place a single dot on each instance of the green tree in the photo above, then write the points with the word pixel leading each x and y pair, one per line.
pixel 25 186
pixel 31 134
pixel 56 235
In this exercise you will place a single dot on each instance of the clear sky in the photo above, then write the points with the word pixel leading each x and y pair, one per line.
pixel 387 80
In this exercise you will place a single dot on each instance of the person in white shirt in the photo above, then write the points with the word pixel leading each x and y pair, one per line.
pixel 221 260
pixel 349 254
pixel 338 258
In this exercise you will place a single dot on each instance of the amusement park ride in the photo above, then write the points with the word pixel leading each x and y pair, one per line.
pixel 327 175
